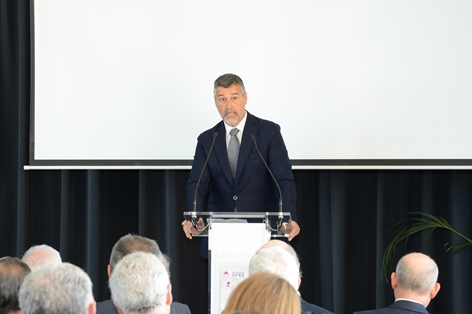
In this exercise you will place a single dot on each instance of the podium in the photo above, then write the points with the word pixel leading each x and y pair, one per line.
pixel 233 238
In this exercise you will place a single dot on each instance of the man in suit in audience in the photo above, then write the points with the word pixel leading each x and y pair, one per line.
pixel 279 257
pixel 40 256
pixel 12 273
pixel 414 284
pixel 140 285
pixel 59 289
pixel 129 244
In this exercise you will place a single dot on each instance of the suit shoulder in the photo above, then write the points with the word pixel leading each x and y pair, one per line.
pixel 209 133
pixel 179 308
pixel 263 124
pixel 308 307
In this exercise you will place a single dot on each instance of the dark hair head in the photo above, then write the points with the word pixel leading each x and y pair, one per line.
pixel 131 243
pixel 228 79
pixel 12 273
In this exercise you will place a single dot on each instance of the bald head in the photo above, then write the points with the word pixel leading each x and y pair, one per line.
pixel 275 260
pixel 417 272
pixel 416 278
pixel 40 256
pixel 284 245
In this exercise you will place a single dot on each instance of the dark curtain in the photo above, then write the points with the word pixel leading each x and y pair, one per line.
pixel 347 217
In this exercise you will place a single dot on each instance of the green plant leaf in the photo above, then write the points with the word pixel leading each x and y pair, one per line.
pixel 414 225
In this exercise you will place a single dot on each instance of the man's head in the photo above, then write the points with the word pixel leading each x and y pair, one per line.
pixel 284 245
pixel 61 289
pixel 40 256
pixel 134 243
pixel 287 247
pixel 12 274
pixel 415 278
pixel 140 284
pixel 275 260
pixel 230 98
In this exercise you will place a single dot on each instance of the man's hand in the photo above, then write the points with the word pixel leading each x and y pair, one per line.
pixel 190 230
pixel 291 228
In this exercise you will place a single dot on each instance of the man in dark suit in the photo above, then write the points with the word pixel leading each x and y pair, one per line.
pixel 235 178
pixel 283 265
pixel 125 246
pixel 414 284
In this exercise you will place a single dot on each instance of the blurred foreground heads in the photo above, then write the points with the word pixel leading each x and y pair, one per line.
pixel 129 244
pixel 40 256
pixel 12 273
pixel 280 258
pixel 264 293
pixel 61 289
pixel 140 284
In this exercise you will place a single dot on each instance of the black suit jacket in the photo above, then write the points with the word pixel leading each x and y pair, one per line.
pixel 107 307
pixel 399 307
pixel 252 189
pixel 311 308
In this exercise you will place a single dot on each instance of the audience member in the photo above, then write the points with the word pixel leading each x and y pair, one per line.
pixel 12 274
pixel 129 244
pixel 264 293
pixel 414 284
pixel 140 285
pixel 40 256
pixel 60 289
pixel 280 258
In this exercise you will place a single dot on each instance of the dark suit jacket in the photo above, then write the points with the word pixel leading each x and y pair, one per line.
pixel 311 308
pixel 253 189
pixel 399 307
pixel 107 307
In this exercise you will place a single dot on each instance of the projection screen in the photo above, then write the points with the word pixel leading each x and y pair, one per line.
pixel 351 83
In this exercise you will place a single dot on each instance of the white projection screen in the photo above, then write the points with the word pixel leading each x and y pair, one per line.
pixel 351 83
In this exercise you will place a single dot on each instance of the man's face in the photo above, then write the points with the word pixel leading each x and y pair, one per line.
pixel 231 104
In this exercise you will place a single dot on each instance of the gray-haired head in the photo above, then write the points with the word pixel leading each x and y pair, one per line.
pixel 131 243
pixel 140 284
pixel 275 260
pixel 40 256
pixel 226 80
pixel 287 247
pixel 61 289
pixel 12 273
pixel 417 272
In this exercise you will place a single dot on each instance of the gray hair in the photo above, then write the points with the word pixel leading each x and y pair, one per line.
pixel 228 79
pixel 40 256
pixel 12 274
pixel 61 289
pixel 131 243
pixel 417 272
pixel 275 260
pixel 139 283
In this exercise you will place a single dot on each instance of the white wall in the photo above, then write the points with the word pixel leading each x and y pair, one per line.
pixel 133 79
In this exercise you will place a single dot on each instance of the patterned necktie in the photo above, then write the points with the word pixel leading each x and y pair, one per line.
pixel 233 150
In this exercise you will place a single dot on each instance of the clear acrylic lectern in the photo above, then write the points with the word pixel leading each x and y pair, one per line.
pixel 233 237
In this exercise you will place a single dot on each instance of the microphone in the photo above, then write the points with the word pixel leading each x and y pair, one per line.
pixel 281 216
pixel 194 213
